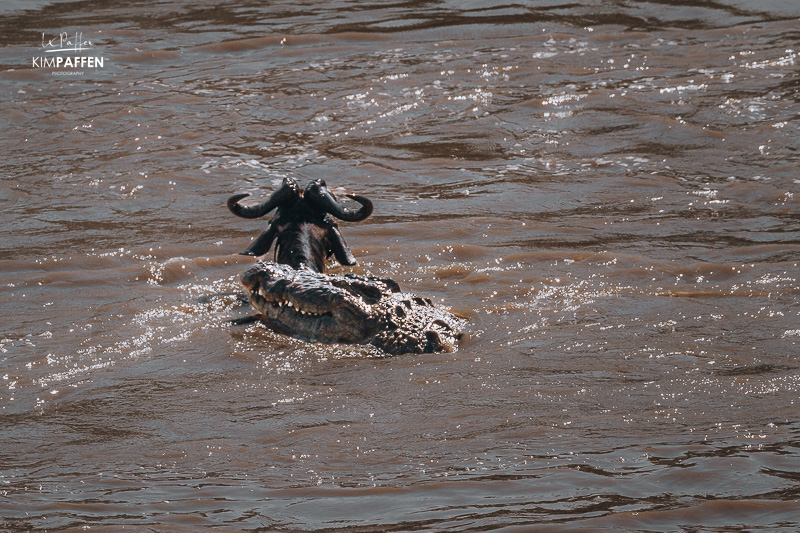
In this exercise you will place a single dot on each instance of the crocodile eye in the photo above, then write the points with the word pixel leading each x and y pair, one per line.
pixel 398 310
pixel 369 294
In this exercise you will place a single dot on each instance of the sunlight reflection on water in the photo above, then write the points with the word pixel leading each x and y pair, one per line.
pixel 608 194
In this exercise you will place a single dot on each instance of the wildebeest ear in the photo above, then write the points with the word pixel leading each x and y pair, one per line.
pixel 339 247
pixel 261 245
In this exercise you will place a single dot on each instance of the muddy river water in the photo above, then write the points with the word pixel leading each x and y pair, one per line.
pixel 609 191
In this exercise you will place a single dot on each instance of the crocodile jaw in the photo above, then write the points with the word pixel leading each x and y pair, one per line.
pixel 295 303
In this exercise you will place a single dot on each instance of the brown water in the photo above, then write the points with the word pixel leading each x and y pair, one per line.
pixel 608 190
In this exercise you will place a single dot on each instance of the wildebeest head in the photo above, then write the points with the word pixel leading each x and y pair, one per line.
pixel 305 231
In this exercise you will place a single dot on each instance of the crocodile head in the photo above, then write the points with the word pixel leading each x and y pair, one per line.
pixel 312 306
pixel 347 309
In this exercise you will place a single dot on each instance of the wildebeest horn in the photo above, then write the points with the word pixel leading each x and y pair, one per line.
pixel 286 195
pixel 318 194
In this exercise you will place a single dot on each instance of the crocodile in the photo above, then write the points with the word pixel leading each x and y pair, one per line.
pixel 294 296
pixel 348 308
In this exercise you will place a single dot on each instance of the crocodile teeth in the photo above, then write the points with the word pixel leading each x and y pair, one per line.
pixel 286 303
